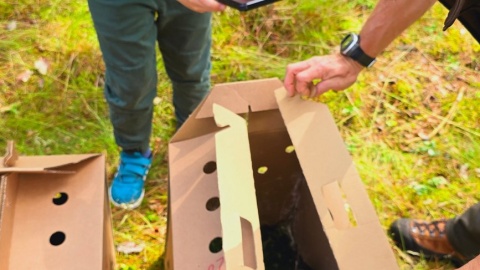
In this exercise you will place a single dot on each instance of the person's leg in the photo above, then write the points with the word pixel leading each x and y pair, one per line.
pixel 457 239
pixel 184 38
pixel 464 232
pixel 127 34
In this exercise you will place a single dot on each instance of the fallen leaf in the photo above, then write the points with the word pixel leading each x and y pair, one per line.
pixel 41 83
pixel 4 109
pixel 464 171
pixel 130 247
pixel 158 207
pixel 12 25
pixel 24 76
pixel 157 100
pixel 41 66
pixel 423 136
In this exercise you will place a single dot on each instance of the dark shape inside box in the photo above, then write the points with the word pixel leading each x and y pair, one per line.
pixel 292 233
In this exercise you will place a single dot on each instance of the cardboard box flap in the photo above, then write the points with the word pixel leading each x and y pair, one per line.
pixel 51 163
pixel 325 162
pixel 334 183
pixel 238 212
pixel 238 97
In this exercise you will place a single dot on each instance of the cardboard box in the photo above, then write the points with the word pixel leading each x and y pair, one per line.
pixel 54 213
pixel 249 156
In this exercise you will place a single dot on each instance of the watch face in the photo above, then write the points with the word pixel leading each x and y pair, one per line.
pixel 348 43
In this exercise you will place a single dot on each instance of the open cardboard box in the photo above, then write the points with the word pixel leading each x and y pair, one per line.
pixel 249 156
pixel 54 213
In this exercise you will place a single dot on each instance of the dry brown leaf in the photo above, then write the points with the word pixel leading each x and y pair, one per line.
pixel 130 247
pixel 12 25
pixel 24 76
pixel 41 65
pixel 464 171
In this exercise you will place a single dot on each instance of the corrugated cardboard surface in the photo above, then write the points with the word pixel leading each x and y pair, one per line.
pixel 304 188
pixel 241 236
pixel 331 175
pixel 32 218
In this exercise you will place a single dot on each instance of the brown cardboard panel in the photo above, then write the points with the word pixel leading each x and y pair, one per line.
pixel 66 233
pixel 41 163
pixel 8 190
pixel 325 162
pixel 109 261
pixel 241 97
pixel 240 224
pixel 193 191
pixel 168 262
pixel 306 187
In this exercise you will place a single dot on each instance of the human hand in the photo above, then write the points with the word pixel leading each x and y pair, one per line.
pixel 202 6
pixel 473 264
pixel 333 72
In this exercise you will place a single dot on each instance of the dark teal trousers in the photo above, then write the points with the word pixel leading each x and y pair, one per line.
pixel 128 32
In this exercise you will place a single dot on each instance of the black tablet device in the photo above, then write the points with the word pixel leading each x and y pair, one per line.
pixel 244 5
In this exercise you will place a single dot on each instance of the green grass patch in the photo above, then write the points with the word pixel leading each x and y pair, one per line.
pixel 411 123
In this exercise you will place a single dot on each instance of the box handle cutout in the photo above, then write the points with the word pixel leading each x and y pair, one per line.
pixel 249 258
pixel 210 167
pixel 213 204
pixel 60 198
pixel 289 149
pixel 216 245
pixel 262 170
pixel 57 238
pixel 338 206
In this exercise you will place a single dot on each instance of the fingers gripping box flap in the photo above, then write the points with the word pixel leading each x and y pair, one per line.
pixel 54 213
pixel 198 170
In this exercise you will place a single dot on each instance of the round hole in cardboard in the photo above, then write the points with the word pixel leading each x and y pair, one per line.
pixel 216 245
pixel 57 238
pixel 289 149
pixel 262 169
pixel 210 167
pixel 213 204
pixel 60 198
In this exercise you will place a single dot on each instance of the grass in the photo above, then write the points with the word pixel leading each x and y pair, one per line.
pixel 411 123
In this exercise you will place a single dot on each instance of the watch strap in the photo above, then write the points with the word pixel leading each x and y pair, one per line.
pixel 360 56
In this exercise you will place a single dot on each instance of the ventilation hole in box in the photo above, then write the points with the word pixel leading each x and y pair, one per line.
pixel 262 170
pixel 289 149
pixel 213 204
pixel 60 198
pixel 210 167
pixel 215 245
pixel 57 238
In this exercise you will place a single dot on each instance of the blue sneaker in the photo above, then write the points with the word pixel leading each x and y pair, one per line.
pixel 127 188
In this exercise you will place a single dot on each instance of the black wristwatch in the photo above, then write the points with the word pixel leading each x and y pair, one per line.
pixel 350 47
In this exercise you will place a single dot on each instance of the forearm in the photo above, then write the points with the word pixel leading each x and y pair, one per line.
pixel 388 20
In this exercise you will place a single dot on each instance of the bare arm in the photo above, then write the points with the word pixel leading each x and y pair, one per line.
pixel 337 72
pixel 388 20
